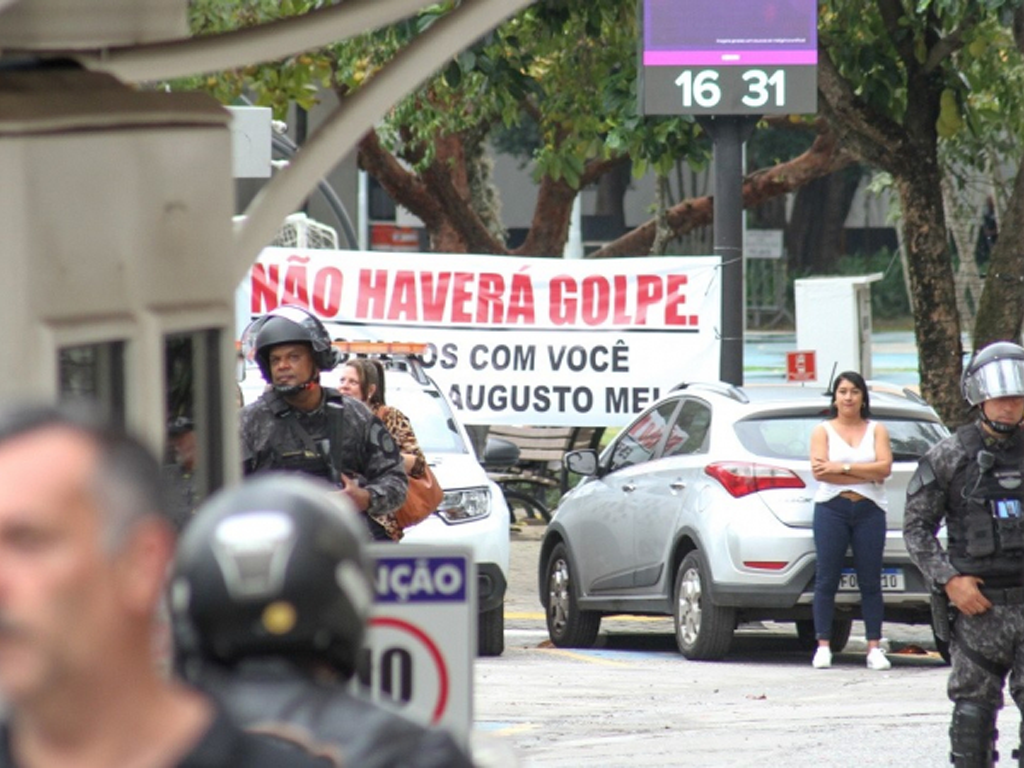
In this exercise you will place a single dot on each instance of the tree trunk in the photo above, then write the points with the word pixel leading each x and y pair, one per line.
pixel 936 322
pixel 1001 309
pixel 908 150
pixel 611 196
pixel 814 237
pixel 963 222
pixel 549 229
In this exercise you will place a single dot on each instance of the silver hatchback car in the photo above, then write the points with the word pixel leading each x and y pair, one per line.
pixel 702 509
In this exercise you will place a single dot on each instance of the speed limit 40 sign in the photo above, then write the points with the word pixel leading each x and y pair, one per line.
pixel 419 651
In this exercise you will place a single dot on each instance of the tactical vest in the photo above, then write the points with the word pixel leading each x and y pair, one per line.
pixel 986 529
pixel 294 448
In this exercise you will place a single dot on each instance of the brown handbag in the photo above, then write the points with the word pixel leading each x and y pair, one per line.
pixel 423 497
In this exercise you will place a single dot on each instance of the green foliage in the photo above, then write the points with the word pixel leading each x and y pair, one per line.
pixel 773 145
pixel 295 80
pixel 888 295
pixel 856 38
pixel 989 98
pixel 968 48
pixel 563 73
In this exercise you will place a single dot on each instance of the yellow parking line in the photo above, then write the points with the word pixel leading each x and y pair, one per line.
pixel 540 617
pixel 515 729
pixel 584 657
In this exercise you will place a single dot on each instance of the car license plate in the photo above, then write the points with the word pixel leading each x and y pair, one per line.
pixel 892 580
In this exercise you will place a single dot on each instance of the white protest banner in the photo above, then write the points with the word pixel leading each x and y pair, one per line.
pixel 516 340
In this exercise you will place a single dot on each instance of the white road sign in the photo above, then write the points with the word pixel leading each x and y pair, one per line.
pixel 418 657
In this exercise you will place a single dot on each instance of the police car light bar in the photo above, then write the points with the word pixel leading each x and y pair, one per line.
pixel 381 347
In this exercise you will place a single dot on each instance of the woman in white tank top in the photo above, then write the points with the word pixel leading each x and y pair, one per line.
pixel 850 459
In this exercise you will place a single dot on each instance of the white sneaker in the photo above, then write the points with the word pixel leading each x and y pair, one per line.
pixel 877 660
pixel 822 657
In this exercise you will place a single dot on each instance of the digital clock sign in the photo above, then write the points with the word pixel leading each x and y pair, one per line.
pixel 729 57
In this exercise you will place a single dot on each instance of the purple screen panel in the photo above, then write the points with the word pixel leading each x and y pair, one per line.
pixel 730 32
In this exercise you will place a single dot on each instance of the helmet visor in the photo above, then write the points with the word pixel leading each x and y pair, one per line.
pixel 1000 378
pixel 248 340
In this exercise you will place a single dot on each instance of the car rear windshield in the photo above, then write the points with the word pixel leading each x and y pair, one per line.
pixel 790 437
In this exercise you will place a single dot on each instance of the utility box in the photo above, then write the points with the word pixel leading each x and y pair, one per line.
pixel 833 320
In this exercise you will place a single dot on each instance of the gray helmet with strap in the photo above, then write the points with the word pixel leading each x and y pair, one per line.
pixel 274 567
pixel 996 370
pixel 288 324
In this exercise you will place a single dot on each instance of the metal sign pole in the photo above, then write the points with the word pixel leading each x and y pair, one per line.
pixel 742 61
pixel 729 133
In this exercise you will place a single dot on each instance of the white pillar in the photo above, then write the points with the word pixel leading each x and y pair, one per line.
pixel 574 244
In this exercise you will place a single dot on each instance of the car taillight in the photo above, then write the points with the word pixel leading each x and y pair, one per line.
pixel 740 478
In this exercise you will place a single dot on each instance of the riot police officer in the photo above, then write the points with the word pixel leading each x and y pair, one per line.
pixel 974 480
pixel 270 593
pixel 298 425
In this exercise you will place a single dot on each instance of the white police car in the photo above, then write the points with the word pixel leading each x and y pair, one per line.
pixel 473 512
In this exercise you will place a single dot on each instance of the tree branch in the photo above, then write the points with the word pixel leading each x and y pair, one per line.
pixel 872 137
pixel 825 156
pixel 459 211
pixel 891 12
pixel 403 187
pixel 595 169
pixel 549 228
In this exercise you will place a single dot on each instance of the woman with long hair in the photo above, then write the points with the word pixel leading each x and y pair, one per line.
pixel 850 457
pixel 363 379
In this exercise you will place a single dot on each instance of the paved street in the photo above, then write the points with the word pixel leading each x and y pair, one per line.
pixel 634 701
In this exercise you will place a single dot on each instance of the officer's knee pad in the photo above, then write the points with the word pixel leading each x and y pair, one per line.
pixel 973 735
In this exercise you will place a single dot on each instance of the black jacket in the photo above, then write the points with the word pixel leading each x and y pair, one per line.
pixel 276 697
pixel 223 745
pixel 276 436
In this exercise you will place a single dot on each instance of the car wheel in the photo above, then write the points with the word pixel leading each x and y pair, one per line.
pixel 841 629
pixel 568 626
pixel 703 629
pixel 491 632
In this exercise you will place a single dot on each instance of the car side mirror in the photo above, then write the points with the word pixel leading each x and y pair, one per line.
pixel 582 462
pixel 500 453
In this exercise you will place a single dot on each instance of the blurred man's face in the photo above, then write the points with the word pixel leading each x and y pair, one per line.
pixel 185 449
pixel 291 364
pixel 58 587
pixel 1007 410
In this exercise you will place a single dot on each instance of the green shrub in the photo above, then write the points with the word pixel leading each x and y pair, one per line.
pixel 888 295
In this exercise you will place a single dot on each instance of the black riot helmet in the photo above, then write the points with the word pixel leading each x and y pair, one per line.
pixel 288 324
pixel 274 567
pixel 996 370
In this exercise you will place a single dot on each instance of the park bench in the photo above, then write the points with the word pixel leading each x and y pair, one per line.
pixel 539 467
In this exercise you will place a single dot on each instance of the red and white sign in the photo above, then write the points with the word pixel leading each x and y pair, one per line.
pixel 391 237
pixel 421 640
pixel 801 366
pixel 516 340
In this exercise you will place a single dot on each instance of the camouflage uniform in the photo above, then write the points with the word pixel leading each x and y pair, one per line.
pixel 983 647
pixel 361 447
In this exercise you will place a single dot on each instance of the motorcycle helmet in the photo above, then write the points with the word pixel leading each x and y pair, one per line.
pixel 274 567
pixel 996 370
pixel 288 324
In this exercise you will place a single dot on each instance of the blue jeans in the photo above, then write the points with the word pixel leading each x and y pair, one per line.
pixel 839 524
